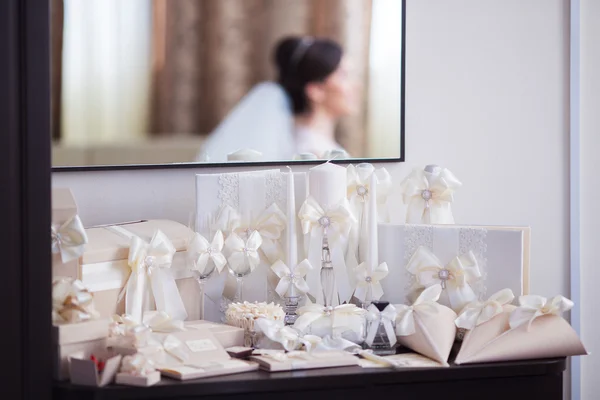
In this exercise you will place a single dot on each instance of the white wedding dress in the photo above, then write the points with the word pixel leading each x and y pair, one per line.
pixel 263 121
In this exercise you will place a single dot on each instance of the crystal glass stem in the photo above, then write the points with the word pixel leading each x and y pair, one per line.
pixel 201 287
pixel 290 308
pixel 239 292
pixel 328 284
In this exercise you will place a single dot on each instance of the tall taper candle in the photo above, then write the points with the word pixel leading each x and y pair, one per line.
pixel 372 221
pixel 292 245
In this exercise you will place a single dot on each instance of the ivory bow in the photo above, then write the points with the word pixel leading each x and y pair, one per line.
pixel 288 337
pixel 243 255
pixel 340 315
pixel 137 365
pixel 336 221
pixel 358 189
pixel 151 261
pixel 366 279
pixel 479 312
pixel 405 319
pixel 200 252
pixel 175 347
pixel 160 321
pixel 428 196
pixel 69 239
pixel 377 318
pixel 72 302
pixel 270 224
pixel 532 306
pixel 327 343
pixel 291 284
pixel 455 278
pixel 139 335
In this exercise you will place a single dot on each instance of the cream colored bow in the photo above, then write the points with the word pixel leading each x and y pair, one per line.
pixel 405 319
pixel 532 306
pixel 337 221
pixel 72 302
pixel 151 261
pixel 175 347
pixel 341 315
pixel 377 318
pixel 358 188
pixel 327 343
pixel 69 239
pixel 291 284
pixel 243 254
pixel 200 252
pixel 428 196
pixel 160 321
pixel 125 331
pixel 476 313
pixel 288 337
pixel 367 280
pixel 455 278
pixel 137 365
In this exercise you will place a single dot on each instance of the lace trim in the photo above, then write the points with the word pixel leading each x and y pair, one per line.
pixel 474 240
pixel 275 191
pixel 229 190
pixel 415 236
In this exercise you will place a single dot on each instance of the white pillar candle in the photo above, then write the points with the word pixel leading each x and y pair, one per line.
pixel 372 221
pixel 327 184
pixel 292 245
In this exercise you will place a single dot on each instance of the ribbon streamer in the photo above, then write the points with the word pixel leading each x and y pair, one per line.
pixel 428 196
pixel 366 279
pixel 291 284
pixel 455 278
pixel 479 312
pixel 243 255
pixel 341 316
pixel 377 318
pixel 425 303
pixel 69 239
pixel 72 302
pixel 201 252
pixel 533 306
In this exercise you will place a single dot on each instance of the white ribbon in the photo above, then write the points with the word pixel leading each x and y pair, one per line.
pixel 366 279
pixel 243 255
pixel 428 196
pixel 532 307
pixel 328 343
pixel 358 189
pixel 336 223
pixel 160 321
pixel 152 261
pixel 479 312
pixel 201 252
pixel 425 303
pixel 291 284
pixel 341 316
pixel 377 318
pixel 72 302
pixel 137 365
pixel 455 278
pixel 175 347
pixel 288 337
pixel 69 239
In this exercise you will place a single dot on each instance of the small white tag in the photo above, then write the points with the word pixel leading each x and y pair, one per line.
pixel 201 345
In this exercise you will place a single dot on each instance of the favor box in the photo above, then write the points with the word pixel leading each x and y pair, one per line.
pixel 276 362
pixel 501 253
pixel 123 378
pixel 64 208
pixel 227 335
pixel 89 337
pixel 84 371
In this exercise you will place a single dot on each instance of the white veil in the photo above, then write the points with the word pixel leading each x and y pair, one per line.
pixel 261 121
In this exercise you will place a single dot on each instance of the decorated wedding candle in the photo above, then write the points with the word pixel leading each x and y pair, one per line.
pixel 372 221
pixel 327 184
pixel 292 245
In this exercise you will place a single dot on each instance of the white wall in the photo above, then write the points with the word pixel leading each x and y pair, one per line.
pixel 487 96
pixel 590 193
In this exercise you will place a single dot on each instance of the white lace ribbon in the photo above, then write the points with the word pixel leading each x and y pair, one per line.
pixel 201 252
pixel 341 316
pixel 425 303
pixel 428 196
pixel 377 318
pixel 455 278
pixel 69 239
pixel 291 283
pixel 243 255
pixel 479 312
pixel 152 261
pixel 533 306
pixel 367 279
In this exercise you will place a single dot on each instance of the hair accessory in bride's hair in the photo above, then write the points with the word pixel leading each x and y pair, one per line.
pixel 300 50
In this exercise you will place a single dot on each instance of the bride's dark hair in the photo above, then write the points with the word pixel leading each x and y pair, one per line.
pixel 302 60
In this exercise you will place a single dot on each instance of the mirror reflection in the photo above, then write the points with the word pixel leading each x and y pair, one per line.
pixel 164 81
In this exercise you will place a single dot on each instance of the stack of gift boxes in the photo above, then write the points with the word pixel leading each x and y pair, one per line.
pixel 290 270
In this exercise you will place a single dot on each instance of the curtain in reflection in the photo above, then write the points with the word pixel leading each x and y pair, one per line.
pixel 208 54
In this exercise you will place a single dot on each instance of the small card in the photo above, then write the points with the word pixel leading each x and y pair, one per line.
pixel 200 345
pixel 239 351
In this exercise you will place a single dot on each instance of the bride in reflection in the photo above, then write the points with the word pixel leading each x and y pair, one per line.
pixel 295 116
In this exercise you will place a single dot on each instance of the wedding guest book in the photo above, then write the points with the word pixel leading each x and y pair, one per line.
pixel 276 361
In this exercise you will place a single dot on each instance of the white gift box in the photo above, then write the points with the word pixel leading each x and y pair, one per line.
pixel 124 378
pixel 227 335
pixel 502 255
pixel 85 372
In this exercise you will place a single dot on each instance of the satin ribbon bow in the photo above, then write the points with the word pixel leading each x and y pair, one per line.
pixel 291 284
pixel 366 279
pixel 336 221
pixel 532 307
pixel 151 261
pixel 270 224
pixel 69 239
pixel 341 316
pixel 377 318
pixel 137 365
pixel 160 321
pixel 201 252
pixel 428 196
pixel 316 344
pixel 243 254
pixel 72 302
pixel 175 347
pixel 358 188
pixel 405 318
pixel 479 312
pixel 455 278
pixel 277 332
pixel 127 332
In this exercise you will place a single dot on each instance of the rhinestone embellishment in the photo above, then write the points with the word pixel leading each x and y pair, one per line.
pixel 444 274
pixel 426 194
pixel 328 310
pixel 368 279
pixel 149 261
pixel 362 190
pixel 325 221
pixel 246 250
pixel 209 251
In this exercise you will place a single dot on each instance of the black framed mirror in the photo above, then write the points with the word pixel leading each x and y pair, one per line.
pixel 176 84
